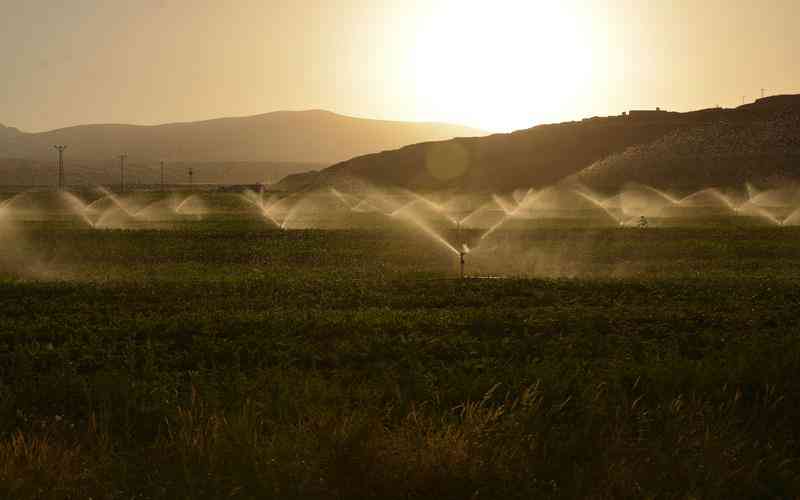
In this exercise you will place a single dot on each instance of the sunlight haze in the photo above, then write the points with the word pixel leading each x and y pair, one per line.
pixel 497 66
pixel 399 249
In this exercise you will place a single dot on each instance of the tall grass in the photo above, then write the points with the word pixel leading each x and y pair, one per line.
pixel 233 364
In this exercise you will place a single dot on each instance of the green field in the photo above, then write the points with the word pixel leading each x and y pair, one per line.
pixel 223 359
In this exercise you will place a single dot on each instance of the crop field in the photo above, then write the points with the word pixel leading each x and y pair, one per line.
pixel 225 358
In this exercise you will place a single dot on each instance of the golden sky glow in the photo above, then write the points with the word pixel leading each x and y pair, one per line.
pixel 498 65
pixel 503 64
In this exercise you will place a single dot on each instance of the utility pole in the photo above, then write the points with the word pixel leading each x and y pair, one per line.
pixel 191 176
pixel 122 158
pixel 162 176
pixel 60 149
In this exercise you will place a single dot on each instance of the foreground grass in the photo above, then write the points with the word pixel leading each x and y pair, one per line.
pixel 238 363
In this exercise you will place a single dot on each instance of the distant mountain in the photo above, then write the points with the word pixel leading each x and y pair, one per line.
pixel 317 137
pixel 615 150
pixel 8 133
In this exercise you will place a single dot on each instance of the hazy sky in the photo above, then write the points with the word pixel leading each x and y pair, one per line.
pixel 497 65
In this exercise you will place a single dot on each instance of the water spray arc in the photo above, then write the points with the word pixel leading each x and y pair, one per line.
pixel 441 217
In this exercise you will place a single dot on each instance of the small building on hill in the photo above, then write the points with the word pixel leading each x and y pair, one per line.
pixel 638 114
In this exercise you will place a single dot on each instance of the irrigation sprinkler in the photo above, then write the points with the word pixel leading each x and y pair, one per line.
pixel 60 149
pixel 462 253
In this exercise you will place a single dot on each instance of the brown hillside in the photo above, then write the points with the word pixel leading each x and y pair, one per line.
pixel 724 153
pixel 548 154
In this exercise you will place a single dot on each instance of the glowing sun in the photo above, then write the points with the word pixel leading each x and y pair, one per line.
pixel 503 64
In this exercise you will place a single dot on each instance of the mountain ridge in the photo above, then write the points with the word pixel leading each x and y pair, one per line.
pixel 318 112
pixel 310 136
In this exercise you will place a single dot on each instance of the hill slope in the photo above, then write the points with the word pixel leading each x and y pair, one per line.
pixel 318 137
pixel 551 153
pixel 538 156
pixel 724 153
